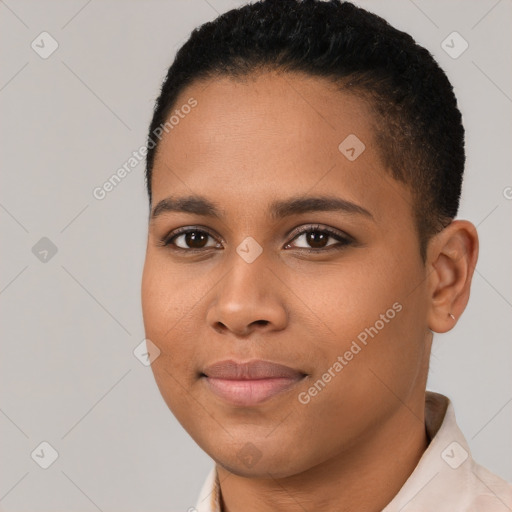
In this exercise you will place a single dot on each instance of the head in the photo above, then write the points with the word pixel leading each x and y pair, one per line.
pixel 304 167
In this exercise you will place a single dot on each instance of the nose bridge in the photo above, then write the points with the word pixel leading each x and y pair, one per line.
pixel 247 296
pixel 248 262
pixel 247 281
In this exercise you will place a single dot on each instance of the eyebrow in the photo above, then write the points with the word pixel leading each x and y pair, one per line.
pixel 199 205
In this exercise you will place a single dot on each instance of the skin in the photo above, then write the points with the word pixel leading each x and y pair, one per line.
pixel 272 137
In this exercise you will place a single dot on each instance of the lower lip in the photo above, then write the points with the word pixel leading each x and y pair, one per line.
pixel 250 392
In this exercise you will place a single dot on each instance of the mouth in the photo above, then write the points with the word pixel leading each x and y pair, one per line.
pixel 250 383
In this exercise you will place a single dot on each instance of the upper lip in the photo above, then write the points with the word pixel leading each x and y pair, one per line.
pixel 250 370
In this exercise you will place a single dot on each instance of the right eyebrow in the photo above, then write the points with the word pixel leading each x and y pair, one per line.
pixel 190 204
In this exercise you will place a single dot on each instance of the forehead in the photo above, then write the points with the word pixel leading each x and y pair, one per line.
pixel 271 135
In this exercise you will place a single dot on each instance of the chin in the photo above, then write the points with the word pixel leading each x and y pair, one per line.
pixel 253 457
pixel 264 468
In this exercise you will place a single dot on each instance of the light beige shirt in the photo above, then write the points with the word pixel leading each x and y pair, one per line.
pixel 446 479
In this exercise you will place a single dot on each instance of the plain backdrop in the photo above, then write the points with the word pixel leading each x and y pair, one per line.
pixel 71 264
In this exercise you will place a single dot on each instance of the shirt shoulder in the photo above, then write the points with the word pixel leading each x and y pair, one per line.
pixel 208 499
pixel 447 478
pixel 494 494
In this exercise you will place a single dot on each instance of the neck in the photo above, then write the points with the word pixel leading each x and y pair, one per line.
pixel 365 477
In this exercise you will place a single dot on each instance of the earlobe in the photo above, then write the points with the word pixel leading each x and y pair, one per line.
pixel 451 260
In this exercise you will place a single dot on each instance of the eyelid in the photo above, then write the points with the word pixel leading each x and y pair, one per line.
pixel 319 227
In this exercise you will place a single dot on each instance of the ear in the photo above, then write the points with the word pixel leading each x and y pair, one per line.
pixel 451 259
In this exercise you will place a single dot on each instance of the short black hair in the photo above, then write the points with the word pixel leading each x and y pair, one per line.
pixel 418 124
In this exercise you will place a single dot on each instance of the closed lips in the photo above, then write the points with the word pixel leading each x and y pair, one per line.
pixel 251 383
pixel 251 370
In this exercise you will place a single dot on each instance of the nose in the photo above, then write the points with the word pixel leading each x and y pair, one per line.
pixel 249 298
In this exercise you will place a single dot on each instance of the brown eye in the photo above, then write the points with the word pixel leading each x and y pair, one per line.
pixel 191 239
pixel 316 238
pixel 196 239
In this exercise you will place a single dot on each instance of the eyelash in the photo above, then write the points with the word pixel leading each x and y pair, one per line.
pixel 344 240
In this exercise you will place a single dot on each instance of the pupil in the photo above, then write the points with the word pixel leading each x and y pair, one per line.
pixel 316 239
pixel 194 237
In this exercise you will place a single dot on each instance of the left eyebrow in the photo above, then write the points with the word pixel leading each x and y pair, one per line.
pixel 295 206
pixel 199 205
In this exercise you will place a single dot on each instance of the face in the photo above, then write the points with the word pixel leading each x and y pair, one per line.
pixel 283 283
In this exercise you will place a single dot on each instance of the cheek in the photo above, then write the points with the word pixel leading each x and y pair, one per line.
pixel 167 309
pixel 349 297
pixel 372 312
pixel 167 298
pixel 157 291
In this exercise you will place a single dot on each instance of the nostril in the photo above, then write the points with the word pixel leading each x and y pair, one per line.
pixel 220 327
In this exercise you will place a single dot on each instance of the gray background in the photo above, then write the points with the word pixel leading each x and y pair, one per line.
pixel 70 324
